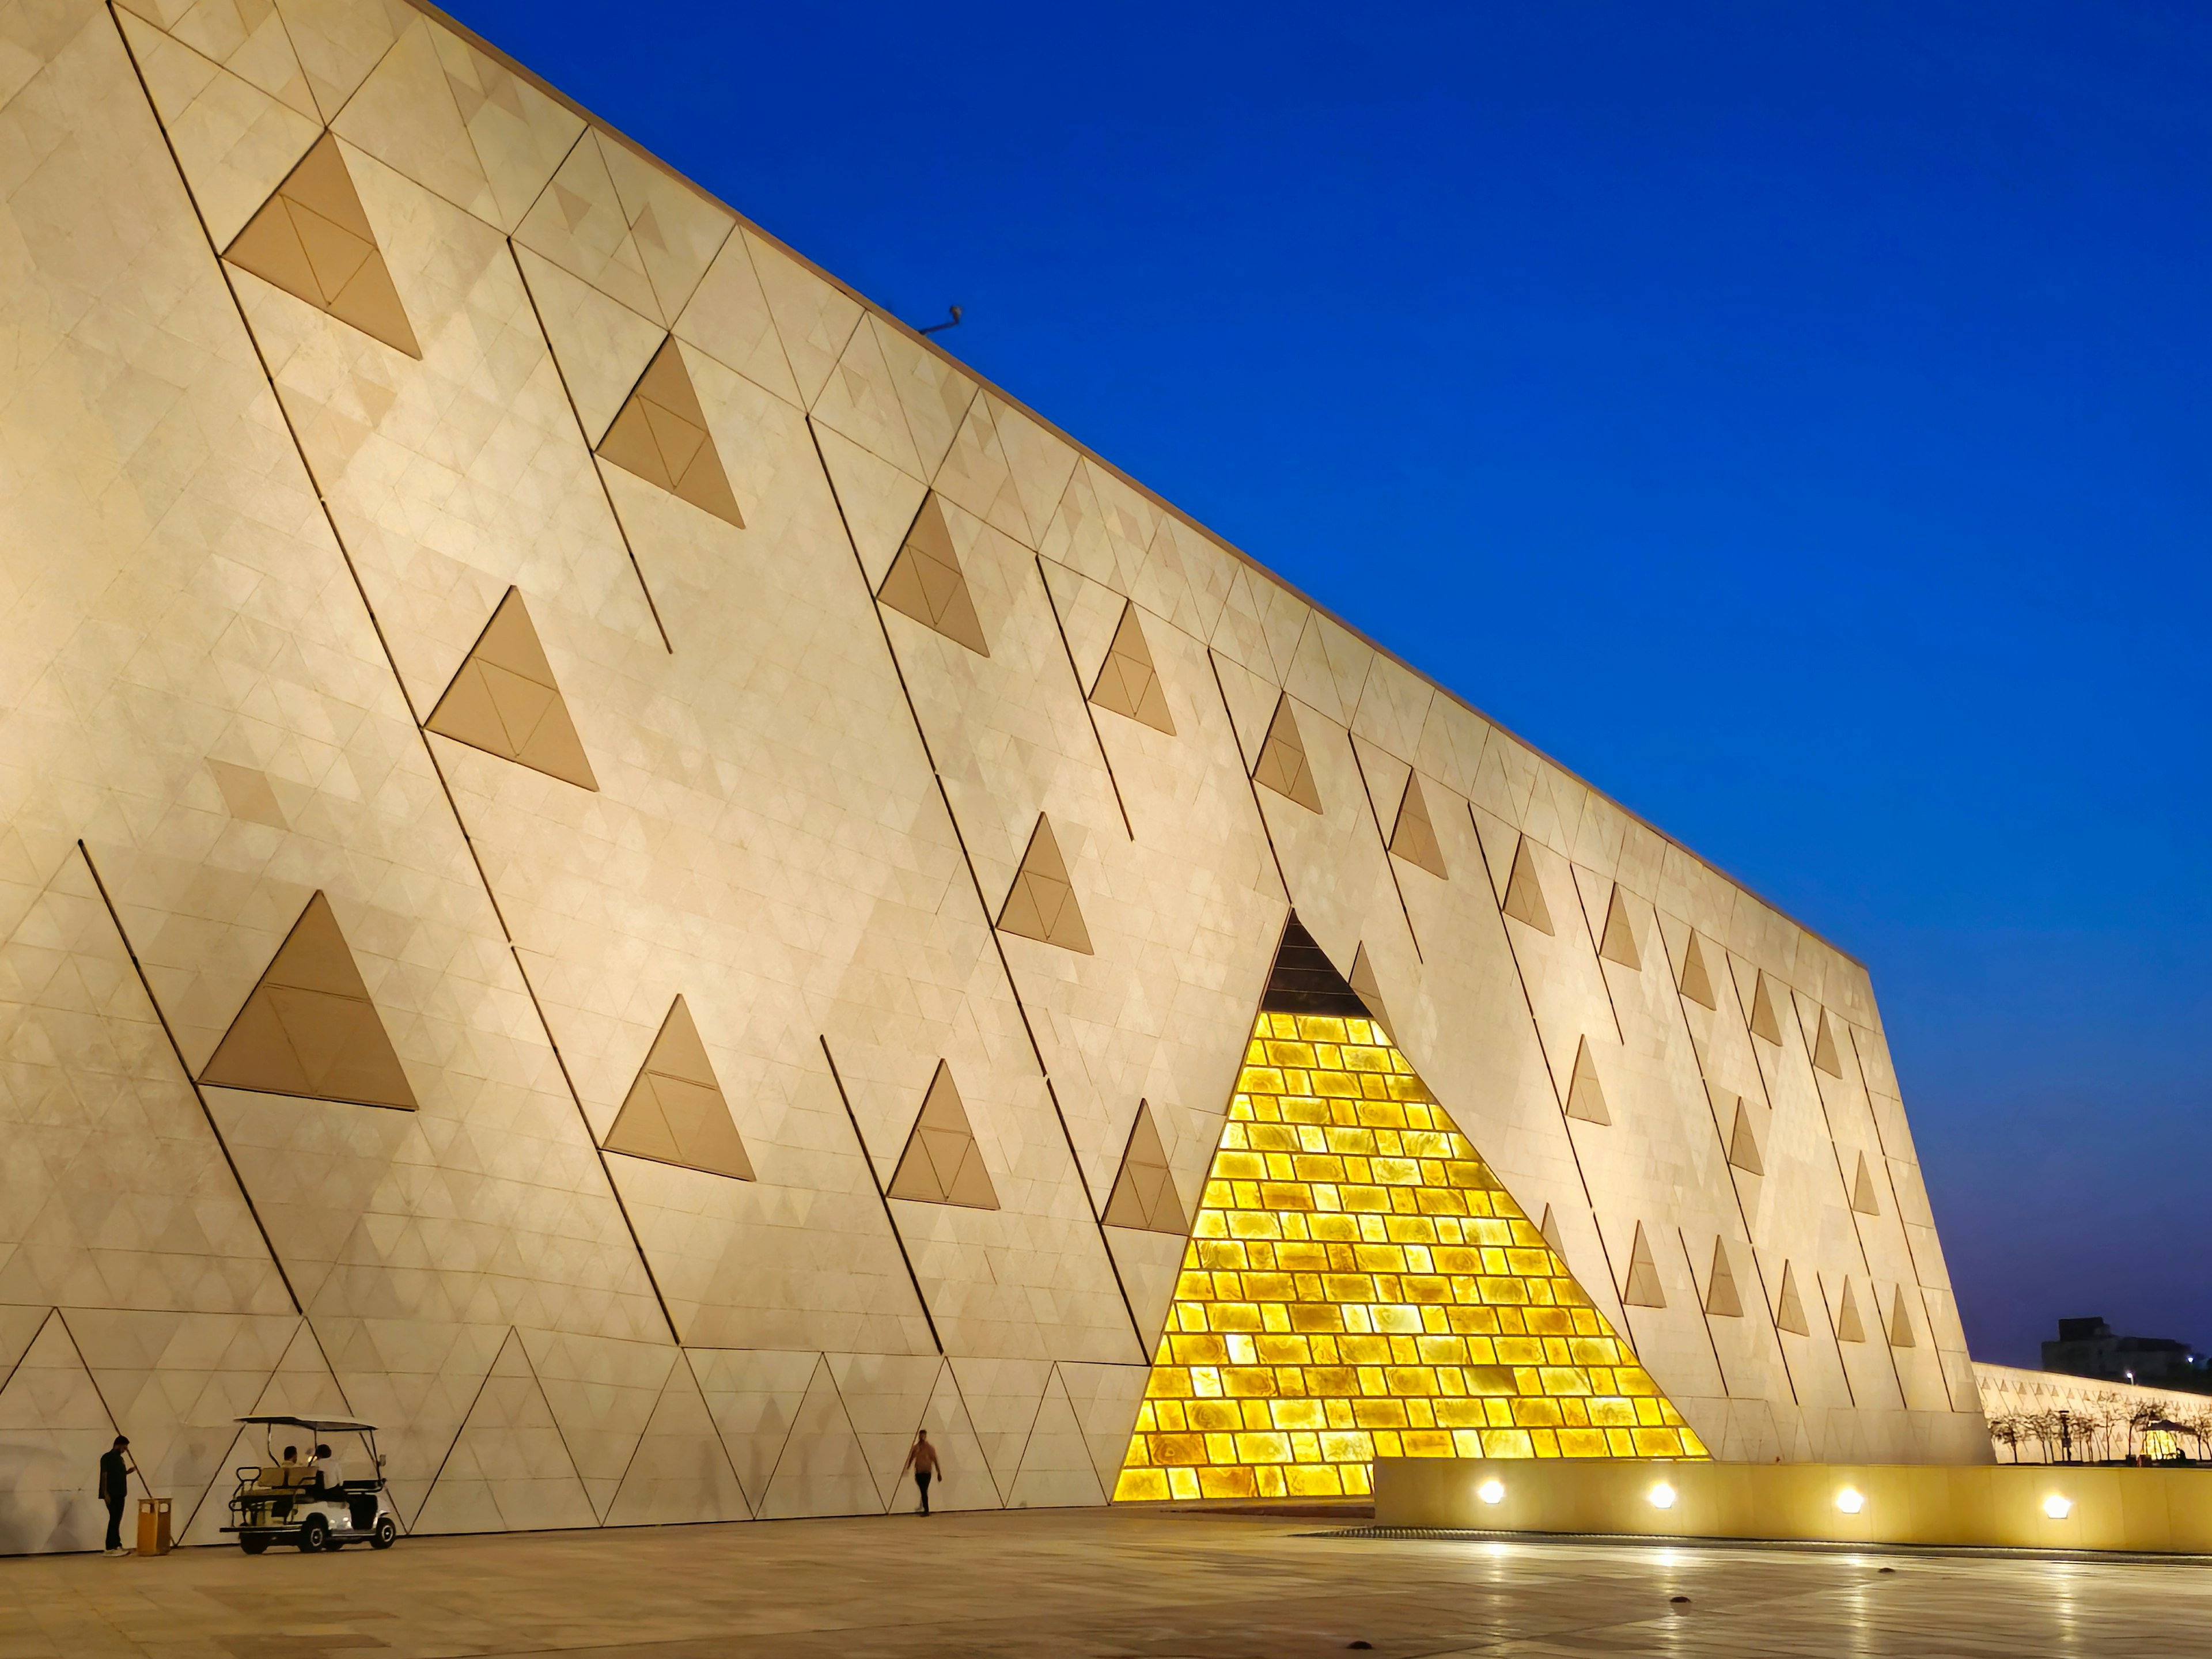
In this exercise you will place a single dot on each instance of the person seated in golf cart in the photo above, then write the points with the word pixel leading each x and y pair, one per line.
pixel 313 1507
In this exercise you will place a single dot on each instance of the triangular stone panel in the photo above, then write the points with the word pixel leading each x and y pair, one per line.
pixel 1105 1399
pixel 1764 1021
pixel 508 1470
pixel 1144 1194
pixel 1697 981
pixel 300 1386
pixel 1042 904
pixel 675 1111
pixel 680 1473
pixel 1414 837
pixel 660 435
pixel 309 1027
pixel 1850 1328
pixel 925 581
pixel 313 239
pixel 1863 1193
pixel 1258 1262
pixel 1824 1049
pixel 1282 766
pixel 603 1392
pixel 1524 893
pixel 823 1470
pixel 1722 1298
pixel 754 1396
pixel 943 1163
pixel 1549 1227
pixel 1617 943
pixel 1643 1289
pixel 1743 1143
pixel 1585 1095
pixel 505 701
pixel 1790 1306
pixel 1055 1471
pixel 1368 991
pixel 1900 1322
pixel 886 1398
pixel 1128 682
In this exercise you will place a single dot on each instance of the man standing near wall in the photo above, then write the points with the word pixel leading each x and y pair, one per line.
pixel 115 1472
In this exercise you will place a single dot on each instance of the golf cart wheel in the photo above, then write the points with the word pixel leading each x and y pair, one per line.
pixel 314 1536
pixel 252 1546
pixel 386 1534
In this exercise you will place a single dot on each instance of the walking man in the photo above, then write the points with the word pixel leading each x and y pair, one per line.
pixel 114 1488
pixel 921 1458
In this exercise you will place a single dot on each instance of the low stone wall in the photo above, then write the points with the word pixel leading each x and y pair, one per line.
pixel 2023 1410
pixel 2152 1511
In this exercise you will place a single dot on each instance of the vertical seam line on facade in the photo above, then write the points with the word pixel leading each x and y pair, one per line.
pixel 192 1082
pixel 1704 1314
pixel 882 1197
pixel 591 454
pixel 1081 697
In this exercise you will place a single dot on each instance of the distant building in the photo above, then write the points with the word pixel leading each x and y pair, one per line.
pixel 2087 1348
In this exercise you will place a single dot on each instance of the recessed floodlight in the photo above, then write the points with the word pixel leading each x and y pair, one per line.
pixel 1490 1492
pixel 1663 1497
pixel 2057 1508
pixel 1851 1500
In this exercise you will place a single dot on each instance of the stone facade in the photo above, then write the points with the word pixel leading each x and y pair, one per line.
pixel 602 853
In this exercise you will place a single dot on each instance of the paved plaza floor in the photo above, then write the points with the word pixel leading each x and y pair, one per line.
pixel 1081 1584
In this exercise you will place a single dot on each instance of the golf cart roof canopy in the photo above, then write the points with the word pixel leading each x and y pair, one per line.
pixel 341 1424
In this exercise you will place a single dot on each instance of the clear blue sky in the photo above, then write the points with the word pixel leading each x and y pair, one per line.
pixel 1796 419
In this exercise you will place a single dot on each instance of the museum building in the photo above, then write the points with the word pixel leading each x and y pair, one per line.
pixel 613 864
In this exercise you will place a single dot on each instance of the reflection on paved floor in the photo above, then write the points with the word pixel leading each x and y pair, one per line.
pixel 1076 1585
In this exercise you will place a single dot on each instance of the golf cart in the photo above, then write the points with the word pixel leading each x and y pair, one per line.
pixel 311 1505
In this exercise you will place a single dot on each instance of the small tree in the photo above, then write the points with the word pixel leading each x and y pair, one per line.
pixel 2006 1431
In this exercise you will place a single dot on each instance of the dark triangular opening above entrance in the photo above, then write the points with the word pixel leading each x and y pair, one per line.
pixel 1305 982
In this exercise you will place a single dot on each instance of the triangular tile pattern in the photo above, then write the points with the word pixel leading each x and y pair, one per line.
pixel 1722 1298
pixel 1764 1021
pixel 1414 837
pixel 1144 1194
pixel 660 435
pixel 1042 904
pixel 964 1479
pixel 1056 1470
pixel 309 1027
pixel 1900 1322
pixel 925 581
pixel 1129 683
pixel 1268 1382
pixel 824 1468
pixel 1824 1050
pixel 1697 982
pixel 885 1398
pixel 1789 1307
pixel 505 701
pixel 680 1473
pixel 1585 1095
pixel 1850 1328
pixel 1617 943
pixel 754 1396
pixel 1282 766
pixel 1524 893
pixel 675 1111
pixel 301 1386
pixel 52 1430
pixel 313 239
pixel 1549 1226
pixel 942 1164
pixel 1367 989
pixel 1863 1193
pixel 508 1470
pixel 1743 1142
pixel 247 793
pixel 1105 1399
pixel 1643 1289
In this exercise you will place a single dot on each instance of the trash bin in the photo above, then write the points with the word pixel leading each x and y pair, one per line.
pixel 153 1525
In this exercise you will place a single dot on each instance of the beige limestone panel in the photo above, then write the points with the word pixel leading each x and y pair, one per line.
pixel 1394 707
pixel 934 396
pixel 234 141
pixel 677 230
pixel 602 1395
pixel 823 1469
pixel 580 223
pixel 520 137
pixel 975 474
pixel 339 41
pixel 729 319
pixel 1853 1303
pixel 1555 813
pixel 1505 778
pixel 964 1481
pixel 886 1398
pixel 1056 1469
pixel 248 40
pixel 859 400
pixel 877 501
pixel 680 1475
pixel 1251 700
pixel 1040 461
pixel 1100 527
pixel 1451 744
pixel 813 318
pixel 1105 1399
pixel 753 1395
pixel 1002 1396
pixel 300 1386
pixel 53 1428
pixel 405 115
pixel 114 1193
pixel 599 345
pixel 508 1469
pixel 1603 831
pixel 1185 577
pixel 1239 634
pixel 418 1379
pixel 1089 613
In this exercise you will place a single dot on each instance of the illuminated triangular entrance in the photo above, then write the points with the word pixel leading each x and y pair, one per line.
pixel 1359 1284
